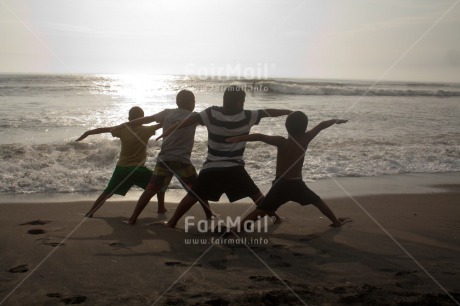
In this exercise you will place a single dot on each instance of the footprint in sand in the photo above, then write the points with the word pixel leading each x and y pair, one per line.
pixel 54 244
pixel 309 237
pixel 406 279
pixel 175 264
pixel 279 246
pixel 76 299
pixel 37 231
pixel 180 264
pixel 220 264
pixel 180 288
pixel 258 249
pixel 259 278
pixel 402 273
pixel 36 222
pixel 270 279
pixel 282 264
pixel 118 246
pixel 45 241
pixel 171 302
pixel 19 269
pixel 217 302
pixel 387 270
pixel 56 295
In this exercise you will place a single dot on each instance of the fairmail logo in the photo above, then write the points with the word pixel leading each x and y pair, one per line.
pixel 221 225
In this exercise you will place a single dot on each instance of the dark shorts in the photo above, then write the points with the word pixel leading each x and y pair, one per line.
pixel 285 190
pixel 235 182
pixel 165 170
pixel 123 178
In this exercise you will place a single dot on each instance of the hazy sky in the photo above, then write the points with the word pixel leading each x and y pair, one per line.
pixel 415 40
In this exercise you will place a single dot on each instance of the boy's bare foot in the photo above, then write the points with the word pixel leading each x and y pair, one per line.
pixel 129 222
pixel 162 210
pixel 277 219
pixel 345 220
pixel 162 223
pixel 165 224
pixel 170 225
pixel 341 221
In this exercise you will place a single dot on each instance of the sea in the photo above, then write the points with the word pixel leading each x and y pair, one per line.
pixel 393 127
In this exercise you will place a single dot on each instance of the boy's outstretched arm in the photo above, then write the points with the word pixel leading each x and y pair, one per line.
pixel 324 125
pixel 94 132
pixel 108 130
pixel 273 112
pixel 137 122
pixel 193 119
pixel 271 140
pixel 141 121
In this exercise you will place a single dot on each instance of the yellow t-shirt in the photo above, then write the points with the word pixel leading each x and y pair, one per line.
pixel 133 144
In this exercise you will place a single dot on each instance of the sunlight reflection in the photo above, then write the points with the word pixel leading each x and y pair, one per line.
pixel 151 92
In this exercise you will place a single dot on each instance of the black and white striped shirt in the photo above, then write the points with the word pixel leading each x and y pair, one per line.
pixel 222 126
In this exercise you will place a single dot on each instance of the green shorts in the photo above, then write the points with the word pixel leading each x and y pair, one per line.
pixel 123 178
pixel 165 170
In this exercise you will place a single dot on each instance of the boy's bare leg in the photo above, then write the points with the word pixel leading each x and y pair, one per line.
pixel 161 202
pixel 141 203
pixel 98 203
pixel 258 198
pixel 328 213
pixel 207 209
pixel 185 204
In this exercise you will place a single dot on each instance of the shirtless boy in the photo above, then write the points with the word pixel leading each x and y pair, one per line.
pixel 288 185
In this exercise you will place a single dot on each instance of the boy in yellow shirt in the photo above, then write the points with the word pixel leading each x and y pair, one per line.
pixel 130 169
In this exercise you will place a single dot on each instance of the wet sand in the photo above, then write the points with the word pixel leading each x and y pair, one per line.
pixel 402 248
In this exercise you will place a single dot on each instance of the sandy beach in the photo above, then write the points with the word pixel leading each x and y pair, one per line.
pixel 402 248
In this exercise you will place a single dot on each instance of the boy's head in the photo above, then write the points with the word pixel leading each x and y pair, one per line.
pixel 135 113
pixel 234 97
pixel 296 123
pixel 186 99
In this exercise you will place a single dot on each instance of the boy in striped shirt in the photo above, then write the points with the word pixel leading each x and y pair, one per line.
pixel 223 170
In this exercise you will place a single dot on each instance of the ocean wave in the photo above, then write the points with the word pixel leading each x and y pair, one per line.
pixel 344 89
pixel 87 166
pixel 32 85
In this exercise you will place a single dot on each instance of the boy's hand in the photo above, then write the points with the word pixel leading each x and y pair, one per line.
pixel 159 137
pixel 82 137
pixel 234 139
pixel 158 126
pixel 340 121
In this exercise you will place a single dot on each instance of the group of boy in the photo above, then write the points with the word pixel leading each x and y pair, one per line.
pixel 223 171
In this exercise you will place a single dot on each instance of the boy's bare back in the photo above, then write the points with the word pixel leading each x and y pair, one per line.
pixel 290 156
pixel 291 151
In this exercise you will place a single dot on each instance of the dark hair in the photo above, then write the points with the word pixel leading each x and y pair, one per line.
pixel 233 97
pixel 296 123
pixel 135 113
pixel 184 98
